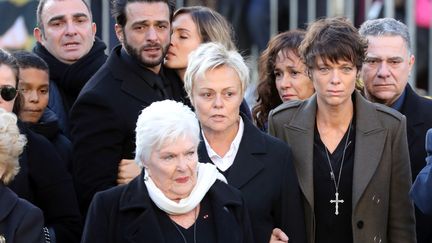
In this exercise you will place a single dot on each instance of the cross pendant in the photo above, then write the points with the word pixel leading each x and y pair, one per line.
pixel 336 202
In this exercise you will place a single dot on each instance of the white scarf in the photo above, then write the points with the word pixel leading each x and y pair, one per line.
pixel 207 175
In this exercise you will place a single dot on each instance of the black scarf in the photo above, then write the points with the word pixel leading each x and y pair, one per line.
pixel 71 78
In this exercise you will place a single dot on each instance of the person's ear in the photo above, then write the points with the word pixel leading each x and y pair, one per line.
pixel 38 34
pixel 119 33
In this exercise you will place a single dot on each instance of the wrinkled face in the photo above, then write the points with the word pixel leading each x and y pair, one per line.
pixel 292 82
pixel 184 39
pixel 146 34
pixel 67 31
pixel 386 70
pixel 7 83
pixel 173 168
pixel 334 82
pixel 217 97
pixel 34 86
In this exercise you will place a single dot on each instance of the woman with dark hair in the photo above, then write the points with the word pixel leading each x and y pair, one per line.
pixel 351 155
pixel 282 75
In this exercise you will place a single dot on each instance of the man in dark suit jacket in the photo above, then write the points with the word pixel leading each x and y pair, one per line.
pixel 385 73
pixel 104 115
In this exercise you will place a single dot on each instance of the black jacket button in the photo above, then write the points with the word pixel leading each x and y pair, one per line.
pixel 360 224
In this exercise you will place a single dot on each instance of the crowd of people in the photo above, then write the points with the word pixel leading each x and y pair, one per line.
pixel 156 143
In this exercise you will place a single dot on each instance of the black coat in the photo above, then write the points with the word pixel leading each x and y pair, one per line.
pixel 20 221
pixel 44 181
pixel 49 127
pixel 103 121
pixel 126 214
pixel 418 112
pixel 263 171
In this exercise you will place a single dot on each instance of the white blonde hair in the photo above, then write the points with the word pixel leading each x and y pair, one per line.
pixel 162 122
pixel 11 145
pixel 210 56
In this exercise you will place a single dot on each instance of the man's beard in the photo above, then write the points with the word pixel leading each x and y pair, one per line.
pixel 136 54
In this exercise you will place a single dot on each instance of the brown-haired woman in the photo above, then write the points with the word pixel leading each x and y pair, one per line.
pixel 282 75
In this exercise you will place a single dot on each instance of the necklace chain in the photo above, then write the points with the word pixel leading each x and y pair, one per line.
pixel 194 228
pixel 332 175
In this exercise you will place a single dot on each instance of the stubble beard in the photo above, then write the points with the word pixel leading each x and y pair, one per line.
pixel 136 54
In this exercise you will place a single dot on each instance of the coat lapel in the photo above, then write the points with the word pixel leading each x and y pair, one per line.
pixel 136 200
pixel 413 117
pixel 246 166
pixel 369 144
pixel 131 82
pixel 299 133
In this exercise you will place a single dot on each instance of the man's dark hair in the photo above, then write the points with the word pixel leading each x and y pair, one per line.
pixel 119 14
pixel 333 39
pixel 27 59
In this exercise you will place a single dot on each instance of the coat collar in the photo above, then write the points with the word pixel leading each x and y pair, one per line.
pixel 246 165
pixel 140 85
pixel 414 118
pixel 143 222
pixel 8 200
pixel 370 140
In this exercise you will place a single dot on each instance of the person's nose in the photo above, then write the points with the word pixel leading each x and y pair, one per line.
pixel 335 77
pixel 151 34
pixel 182 163
pixel 218 101
pixel 71 29
pixel 33 96
pixel 383 70
pixel 286 82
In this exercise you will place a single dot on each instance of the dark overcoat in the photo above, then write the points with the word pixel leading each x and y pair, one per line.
pixel 263 171
pixel 381 208
pixel 126 214
pixel 20 221
pixel 103 121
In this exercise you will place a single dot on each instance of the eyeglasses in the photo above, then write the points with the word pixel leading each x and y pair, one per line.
pixel 8 92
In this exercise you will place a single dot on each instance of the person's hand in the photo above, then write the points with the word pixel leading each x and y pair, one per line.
pixel 278 236
pixel 127 170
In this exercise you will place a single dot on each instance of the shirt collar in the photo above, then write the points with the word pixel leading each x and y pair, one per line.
pixel 397 105
pixel 232 152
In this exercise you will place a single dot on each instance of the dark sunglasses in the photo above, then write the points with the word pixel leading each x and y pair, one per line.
pixel 8 92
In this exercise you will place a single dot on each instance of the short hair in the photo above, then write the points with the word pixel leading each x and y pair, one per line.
pixel 11 145
pixel 40 9
pixel 333 39
pixel 211 25
pixel 210 56
pixel 268 96
pixel 118 9
pixel 161 122
pixel 386 27
pixel 28 59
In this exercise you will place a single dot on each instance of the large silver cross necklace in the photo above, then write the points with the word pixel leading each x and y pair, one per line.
pixel 336 201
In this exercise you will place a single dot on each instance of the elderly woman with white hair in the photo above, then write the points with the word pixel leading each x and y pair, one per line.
pixel 175 199
pixel 257 164
pixel 20 221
